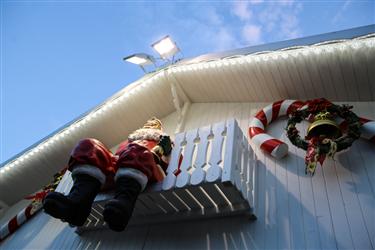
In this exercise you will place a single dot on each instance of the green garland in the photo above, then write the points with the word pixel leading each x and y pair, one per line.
pixel 38 197
pixel 324 147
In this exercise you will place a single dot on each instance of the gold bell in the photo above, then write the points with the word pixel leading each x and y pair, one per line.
pixel 323 126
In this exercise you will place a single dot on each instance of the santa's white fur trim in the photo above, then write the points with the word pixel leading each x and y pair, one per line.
pixel 89 170
pixel 146 134
pixel 140 177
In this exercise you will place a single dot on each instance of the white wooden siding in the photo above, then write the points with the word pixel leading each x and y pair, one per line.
pixel 332 210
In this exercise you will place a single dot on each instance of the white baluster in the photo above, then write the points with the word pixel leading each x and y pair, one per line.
pixel 238 160
pixel 230 155
pixel 170 180
pixel 65 184
pixel 184 177
pixel 245 166
pixel 199 174
pixel 214 171
pixel 254 183
pixel 250 172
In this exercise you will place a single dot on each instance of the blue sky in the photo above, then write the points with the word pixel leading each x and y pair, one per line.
pixel 61 58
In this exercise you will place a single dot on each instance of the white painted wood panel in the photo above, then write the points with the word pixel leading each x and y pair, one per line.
pixel 337 73
pixel 333 209
pixel 253 81
pixel 361 73
pixel 295 75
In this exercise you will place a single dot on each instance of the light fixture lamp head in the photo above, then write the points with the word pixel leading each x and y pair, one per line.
pixel 140 59
pixel 166 47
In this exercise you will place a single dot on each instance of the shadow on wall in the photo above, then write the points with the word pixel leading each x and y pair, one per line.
pixel 357 166
pixel 283 220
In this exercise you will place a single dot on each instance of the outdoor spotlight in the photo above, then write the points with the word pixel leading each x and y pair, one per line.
pixel 140 59
pixel 166 47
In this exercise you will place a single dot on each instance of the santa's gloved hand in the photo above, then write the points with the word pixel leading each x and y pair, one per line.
pixel 166 144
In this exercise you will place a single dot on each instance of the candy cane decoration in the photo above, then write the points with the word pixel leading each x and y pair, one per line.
pixel 268 114
pixel 32 208
pixel 18 220
pixel 264 117
pixel 367 128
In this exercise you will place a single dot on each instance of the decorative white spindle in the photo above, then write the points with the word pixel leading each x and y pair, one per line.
pixel 254 182
pixel 229 157
pixel 250 175
pixel 214 170
pixel 184 177
pixel 65 184
pixel 170 180
pixel 199 173
pixel 238 151
pixel 244 166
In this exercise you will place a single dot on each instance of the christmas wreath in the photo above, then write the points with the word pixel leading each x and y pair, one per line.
pixel 326 141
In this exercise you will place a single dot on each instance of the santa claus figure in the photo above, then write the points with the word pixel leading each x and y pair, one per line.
pixel 141 159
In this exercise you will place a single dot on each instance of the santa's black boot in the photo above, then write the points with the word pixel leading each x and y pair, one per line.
pixel 76 206
pixel 118 211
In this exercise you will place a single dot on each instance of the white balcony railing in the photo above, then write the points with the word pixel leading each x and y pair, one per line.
pixel 216 178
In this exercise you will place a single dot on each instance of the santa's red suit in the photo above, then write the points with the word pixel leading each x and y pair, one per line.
pixel 136 162
pixel 134 158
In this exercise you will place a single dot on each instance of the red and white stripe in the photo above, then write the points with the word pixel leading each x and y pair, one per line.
pixel 367 128
pixel 277 109
pixel 18 220
pixel 257 133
